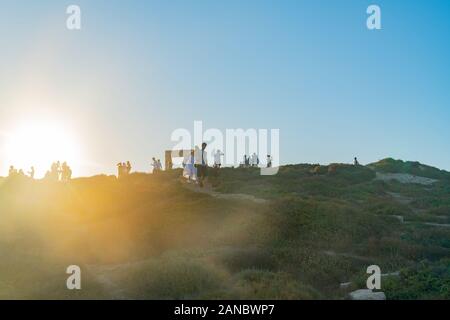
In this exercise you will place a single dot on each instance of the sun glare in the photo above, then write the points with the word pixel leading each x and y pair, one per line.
pixel 40 144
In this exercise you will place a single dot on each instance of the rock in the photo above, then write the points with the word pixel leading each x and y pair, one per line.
pixel 366 294
pixel 345 285
pixel 444 225
pixel 405 178
pixel 392 274
pixel 399 218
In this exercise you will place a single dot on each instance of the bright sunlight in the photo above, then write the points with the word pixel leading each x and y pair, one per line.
pixel 40 144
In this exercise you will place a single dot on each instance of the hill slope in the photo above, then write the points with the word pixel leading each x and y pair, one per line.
pixel 152 237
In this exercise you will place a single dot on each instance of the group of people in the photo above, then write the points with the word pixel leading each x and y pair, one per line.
pixel 59 172
pixel 250 161
pixel 14 172
pixel 253 161
pixel 123 169
pixel 156 164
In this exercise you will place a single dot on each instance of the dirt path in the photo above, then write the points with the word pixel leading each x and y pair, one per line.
pixel 348 255
pixel 207 189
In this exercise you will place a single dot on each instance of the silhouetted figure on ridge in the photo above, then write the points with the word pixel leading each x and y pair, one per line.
pixel 159 165
pixel 66 172
pixel 269 161
pixel 155 165
pixel 119 170
pixel 128 167
pixel 31 172
pixel 12 171
pixel 55 171
pixel 355 161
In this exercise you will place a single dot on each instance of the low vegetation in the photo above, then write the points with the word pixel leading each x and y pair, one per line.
pixel 150 237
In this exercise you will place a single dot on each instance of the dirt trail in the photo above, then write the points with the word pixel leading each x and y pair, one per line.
pixel 348 255
pixel 207 189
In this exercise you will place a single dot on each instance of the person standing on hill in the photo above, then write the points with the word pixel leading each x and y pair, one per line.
pixel 355 161
pixel 254 160
pixel 269 161
pixel 190 171
pixel 128 167
pixel 201 164
pixel 154 165
pixel 217 159
pixel 31 172
pixel 119 170
pixel 159 165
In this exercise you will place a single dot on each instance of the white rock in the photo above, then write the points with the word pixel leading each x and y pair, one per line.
pixel 367 294
pixel 344 285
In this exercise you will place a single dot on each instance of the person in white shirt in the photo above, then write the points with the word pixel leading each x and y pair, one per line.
pixel 159 165
pixel 217 159
pixel 190 172
pixel 155 165
pixel 201 163
pixel 254 161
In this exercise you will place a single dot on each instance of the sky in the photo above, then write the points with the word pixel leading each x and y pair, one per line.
pixel 138 70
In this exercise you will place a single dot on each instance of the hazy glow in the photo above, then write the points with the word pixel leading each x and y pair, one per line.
pixel 40 144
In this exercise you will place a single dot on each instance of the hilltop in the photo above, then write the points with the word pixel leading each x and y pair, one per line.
pixel 154 237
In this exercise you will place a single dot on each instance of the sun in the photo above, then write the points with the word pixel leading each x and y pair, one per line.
pixel 39 145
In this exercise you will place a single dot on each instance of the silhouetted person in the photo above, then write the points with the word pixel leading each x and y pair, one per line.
pixel 155 165
pixel 54 171
pixel 66 172
pixel 69 173
pixel 201 164
pixel 124 169
pixel 12 171
pixel 31 172
pixel 269 161
pixel 128 167
pixel 119 170
pixel 246 160
pixel 159 165
pixel 355 162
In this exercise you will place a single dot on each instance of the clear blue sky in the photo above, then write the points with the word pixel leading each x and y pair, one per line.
pixel 140 69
